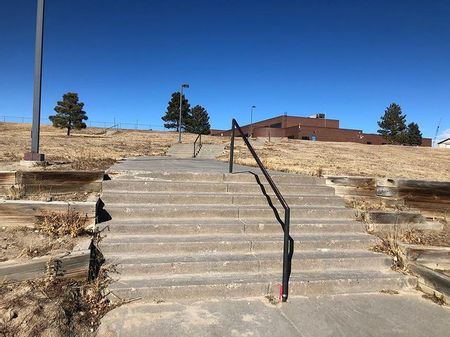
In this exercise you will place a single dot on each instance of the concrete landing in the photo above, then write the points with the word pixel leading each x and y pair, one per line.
pixel 401 315
pixel 170 164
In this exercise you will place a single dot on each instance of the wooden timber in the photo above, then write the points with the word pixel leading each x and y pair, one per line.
pixel 7 182
pixel 27 212
pixel 51 182
pixel 74 265
pixel 60 182
pixel 431 198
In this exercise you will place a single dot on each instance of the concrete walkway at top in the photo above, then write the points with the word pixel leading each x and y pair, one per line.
pixel 168 164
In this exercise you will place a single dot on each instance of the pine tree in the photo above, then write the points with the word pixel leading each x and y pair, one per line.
pixel 69 113
pixel 392 124
pixel 198 121
pixel 172 113
pixel 413 134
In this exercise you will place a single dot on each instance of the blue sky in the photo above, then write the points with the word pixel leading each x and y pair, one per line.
pixel 348 59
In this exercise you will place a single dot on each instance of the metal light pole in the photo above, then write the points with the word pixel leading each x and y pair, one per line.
pixel 34 155
pixel 181 107
pixel 251 120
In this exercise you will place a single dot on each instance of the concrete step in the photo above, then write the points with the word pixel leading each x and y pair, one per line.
pixel 228 226
pixel 207 151
pixel 218 177
pixel 181 151
pixel 226 198
pixel 133 211
pixel 228 285
pixel 133 264
pixel 193 187
pixel 172 245
pixel 211 150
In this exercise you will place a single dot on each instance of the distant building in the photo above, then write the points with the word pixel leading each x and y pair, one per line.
pixel 315 127
pixel 445 143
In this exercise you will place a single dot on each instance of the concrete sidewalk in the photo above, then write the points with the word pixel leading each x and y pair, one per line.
pixel 406 314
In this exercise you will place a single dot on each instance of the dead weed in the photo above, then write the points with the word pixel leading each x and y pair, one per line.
pixel 54 307
pixel 438 299
pixel 389 244
pixel 58 224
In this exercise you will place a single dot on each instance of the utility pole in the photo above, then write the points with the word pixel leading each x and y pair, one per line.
pixel 251 120
pixel 34 155
pixel 181 107
pixel 437 131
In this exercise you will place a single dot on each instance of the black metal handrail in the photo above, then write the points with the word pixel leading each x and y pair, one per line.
pixel 288 243
pixel 199 140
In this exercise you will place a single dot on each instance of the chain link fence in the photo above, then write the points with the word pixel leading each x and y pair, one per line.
pixel 116 123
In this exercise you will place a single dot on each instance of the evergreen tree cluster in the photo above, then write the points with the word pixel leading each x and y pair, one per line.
pixel 69 113
pixel 195 120
pixel 394 129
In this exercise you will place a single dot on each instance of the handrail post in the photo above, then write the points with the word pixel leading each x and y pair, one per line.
pixel 288 242
pixel 195 142
pixel 232 146
pixel 199 140
pixel 286 253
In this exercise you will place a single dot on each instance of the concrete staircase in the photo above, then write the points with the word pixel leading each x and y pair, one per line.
pixel 207 151
pixel 183 235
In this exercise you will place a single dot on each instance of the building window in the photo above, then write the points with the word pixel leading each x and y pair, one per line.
pixel 305 138
pixel 369 142
pixel 276 126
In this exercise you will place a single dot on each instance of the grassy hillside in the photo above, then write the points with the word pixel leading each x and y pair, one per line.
pixel 86 149
pixel 97 148
pixel 332 158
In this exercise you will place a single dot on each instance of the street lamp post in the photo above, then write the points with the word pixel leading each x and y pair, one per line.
pixel 34 155
pixel 181 107
pixel 251 120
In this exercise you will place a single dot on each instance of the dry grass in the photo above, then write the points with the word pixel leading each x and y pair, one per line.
pixel 54 307
pixel 438 299
pixel 390 241
pixel 428 237
pixel 90 149
pixel 349 159
pixel 14 193
pixel 389 244
pixel 59 224
pixel 22 243
pixel 97 148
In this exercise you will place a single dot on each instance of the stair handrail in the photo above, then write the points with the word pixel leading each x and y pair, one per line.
pixel 288 242
pixel 199 139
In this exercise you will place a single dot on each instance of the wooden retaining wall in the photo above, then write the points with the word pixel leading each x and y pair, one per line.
pixel 431 264
pixel 27 212
pixel 431 198
pixel 31 183
pixel 74 265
